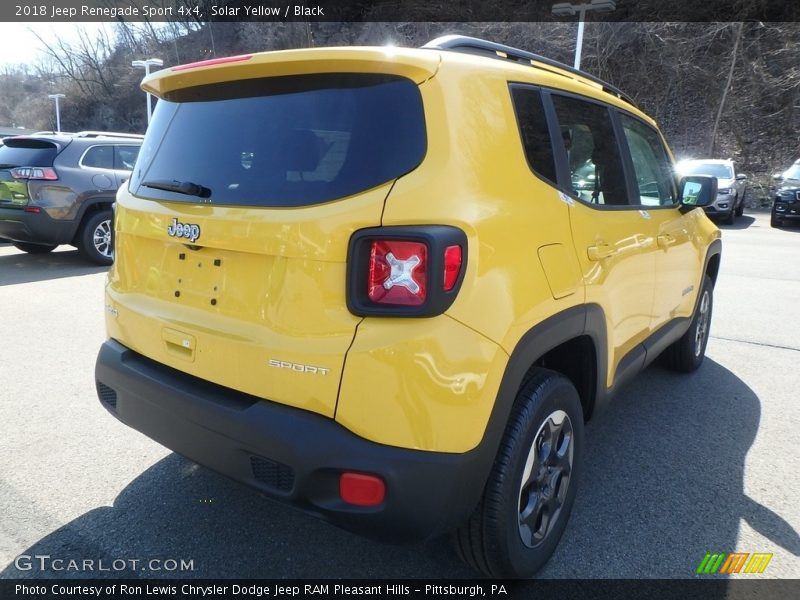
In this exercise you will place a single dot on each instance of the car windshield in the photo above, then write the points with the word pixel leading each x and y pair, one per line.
pixel 792 172
pixel 717 170
pixel 282 141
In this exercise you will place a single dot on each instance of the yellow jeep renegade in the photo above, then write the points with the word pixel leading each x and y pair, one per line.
pixel 388 286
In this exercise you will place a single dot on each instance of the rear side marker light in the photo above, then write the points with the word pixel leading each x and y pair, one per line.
pixel 452 266
pixel 360 489
pixel 45 173
pixel 397 272
pixel 32 209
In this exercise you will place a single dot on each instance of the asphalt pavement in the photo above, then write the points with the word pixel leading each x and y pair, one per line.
pixel 676 467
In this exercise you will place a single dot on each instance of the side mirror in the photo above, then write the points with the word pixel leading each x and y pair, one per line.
pixel 741 177
pixel 777 176
pixel 697 190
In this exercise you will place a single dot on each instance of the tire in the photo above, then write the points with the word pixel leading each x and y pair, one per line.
pixel 494 540
pixel 740 207
pixel 686 354
pixel 774 221
pixel 94 238
pixel 729 218
pixel 34 248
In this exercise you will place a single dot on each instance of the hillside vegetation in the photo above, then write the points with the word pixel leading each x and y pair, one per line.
pixel 717 89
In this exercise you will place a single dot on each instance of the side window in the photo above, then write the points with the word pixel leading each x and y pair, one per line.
pixel 99 157
pixel 651 164
pixel 595 166
pixel 125 157
pixel 533 131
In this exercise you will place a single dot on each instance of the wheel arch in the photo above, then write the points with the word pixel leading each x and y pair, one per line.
pixel 88 208
pixel 712 261
pixel 573 343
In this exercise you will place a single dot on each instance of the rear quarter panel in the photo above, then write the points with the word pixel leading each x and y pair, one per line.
pixel 429 383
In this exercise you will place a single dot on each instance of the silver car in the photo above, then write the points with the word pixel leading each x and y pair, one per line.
pixel 731 186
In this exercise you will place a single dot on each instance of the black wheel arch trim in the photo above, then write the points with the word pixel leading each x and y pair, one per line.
pixel 577 321
pixel 714 250
pixel 88 206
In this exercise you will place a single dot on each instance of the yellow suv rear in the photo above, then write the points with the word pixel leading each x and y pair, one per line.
pixel 389 285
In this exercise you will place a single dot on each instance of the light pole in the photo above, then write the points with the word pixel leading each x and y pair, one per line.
pixel 58 111
pixel 567 9
pixel 146 64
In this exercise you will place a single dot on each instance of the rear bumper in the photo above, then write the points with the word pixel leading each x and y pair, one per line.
pixel 36 228
pixel 292 455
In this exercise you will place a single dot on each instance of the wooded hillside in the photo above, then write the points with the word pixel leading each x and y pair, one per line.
pixel 717 89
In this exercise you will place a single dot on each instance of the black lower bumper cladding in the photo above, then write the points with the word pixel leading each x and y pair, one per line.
pixel 290 454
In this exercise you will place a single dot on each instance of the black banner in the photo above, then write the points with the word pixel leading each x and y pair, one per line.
pixel 398 10
pixel 652 589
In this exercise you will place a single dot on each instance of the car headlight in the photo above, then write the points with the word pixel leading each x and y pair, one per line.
pixel 724 191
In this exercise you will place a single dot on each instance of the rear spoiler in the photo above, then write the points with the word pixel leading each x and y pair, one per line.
pixel 404 62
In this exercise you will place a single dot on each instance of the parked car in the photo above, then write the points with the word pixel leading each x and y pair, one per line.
pixel 731 190
pixel 365 285
pixel 58 188
pixel 786 203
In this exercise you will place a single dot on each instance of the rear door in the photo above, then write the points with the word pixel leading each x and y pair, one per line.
pixel 232 243
pixel 98 162
pixel 614 237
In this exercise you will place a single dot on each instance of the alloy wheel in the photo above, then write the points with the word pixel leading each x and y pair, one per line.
pixel 701 331
pixel 546 478
pixel 101 238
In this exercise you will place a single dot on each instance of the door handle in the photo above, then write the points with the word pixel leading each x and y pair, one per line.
pixel 665 240
pixel 600 251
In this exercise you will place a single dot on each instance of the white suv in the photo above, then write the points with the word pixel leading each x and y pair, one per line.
pixel 729 203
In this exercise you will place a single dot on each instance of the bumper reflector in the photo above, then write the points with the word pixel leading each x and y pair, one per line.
pixel 361 490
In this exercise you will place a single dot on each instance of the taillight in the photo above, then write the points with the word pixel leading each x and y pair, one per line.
pixel 412 271
pixel 452 266
pixel 46 173
pixel 397 272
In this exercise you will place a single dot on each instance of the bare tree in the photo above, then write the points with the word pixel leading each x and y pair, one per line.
pixel 737 37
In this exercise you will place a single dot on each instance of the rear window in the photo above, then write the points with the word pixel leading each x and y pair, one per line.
pixel 27 153
pixel 534 131
pixel 282 141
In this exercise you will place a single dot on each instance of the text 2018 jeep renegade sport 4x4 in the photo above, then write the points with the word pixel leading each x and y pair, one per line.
pixel 362 281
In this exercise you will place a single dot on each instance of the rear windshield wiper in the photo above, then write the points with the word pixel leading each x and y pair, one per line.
pixel 181 187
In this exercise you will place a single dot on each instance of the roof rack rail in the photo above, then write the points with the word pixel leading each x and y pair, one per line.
pixel 471 45
pixel 93 134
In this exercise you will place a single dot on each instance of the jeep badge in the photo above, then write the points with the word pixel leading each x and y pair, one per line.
pixel 190 231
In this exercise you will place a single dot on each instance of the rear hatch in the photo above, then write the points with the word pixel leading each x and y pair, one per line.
pixel 231 243
pixel 23 159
